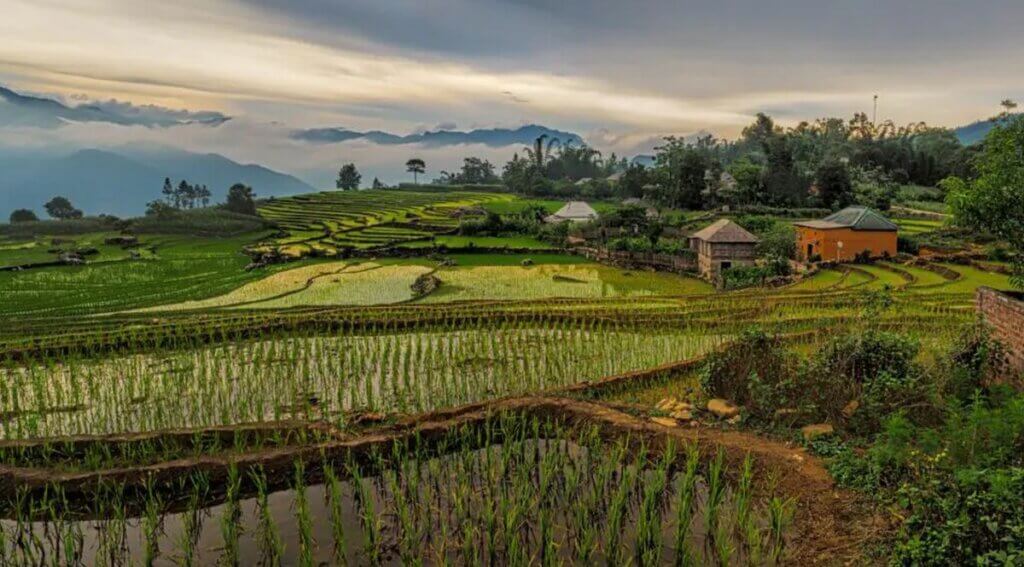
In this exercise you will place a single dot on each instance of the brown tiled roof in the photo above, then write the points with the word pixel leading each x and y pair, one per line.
pixel 724 230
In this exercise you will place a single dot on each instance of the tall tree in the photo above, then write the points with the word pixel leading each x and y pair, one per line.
pixel 23 215
pixel 415 166
pixel 377 184
pixel 241 199
pixel 834 185
pixel 61 208
pixel 994 201
pixel 348 177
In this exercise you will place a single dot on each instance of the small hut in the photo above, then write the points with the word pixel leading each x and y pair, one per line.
pixel 573 211
pixel 722 245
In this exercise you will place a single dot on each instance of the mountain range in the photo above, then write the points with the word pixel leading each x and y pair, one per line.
pixel 973 132
pixel 24 110
pixel 121 182
pixel 493 137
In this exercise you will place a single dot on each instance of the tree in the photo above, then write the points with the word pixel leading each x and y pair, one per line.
pixel 415 166
pixel 348 178
pixel 834 185
pixel 203 195
pixel 61 208
pixel 23 215
pixel 994 201
pixel 241 199
pixel 160 209
pixel 377 184
pixel 475 171
pixel 168 191
pixel 681 171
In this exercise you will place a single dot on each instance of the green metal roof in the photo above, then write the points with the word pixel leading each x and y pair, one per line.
pixel 860 218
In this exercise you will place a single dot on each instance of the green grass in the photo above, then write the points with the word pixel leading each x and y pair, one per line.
pixel 973 278
pixel 183 268
pixel 454 242
pixel 19 252
pixel 824 279
pixel 519 204
pixel 917 226
pixel 544 281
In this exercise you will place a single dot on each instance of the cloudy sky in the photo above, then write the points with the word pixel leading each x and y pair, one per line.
pixel 619 73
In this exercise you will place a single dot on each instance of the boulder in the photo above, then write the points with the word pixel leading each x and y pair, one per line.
pixel 817 430
pixel 665 421
pixel 850 408
pixel 682 415
pixel 723 409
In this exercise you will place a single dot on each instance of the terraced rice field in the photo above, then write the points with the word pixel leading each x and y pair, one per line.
pixel 322 223
pixel 325 376
pixel 568 281
pixel 917 226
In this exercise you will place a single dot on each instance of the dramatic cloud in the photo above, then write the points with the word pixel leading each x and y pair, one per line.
pixel 18 109
pixel 493 137
pixel 622 74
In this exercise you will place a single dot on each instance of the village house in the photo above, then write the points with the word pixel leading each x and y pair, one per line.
pixel 722 245
pixel 845 235
pixel 573 211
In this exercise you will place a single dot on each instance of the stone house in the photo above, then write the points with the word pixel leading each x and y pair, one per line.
pixel 722 245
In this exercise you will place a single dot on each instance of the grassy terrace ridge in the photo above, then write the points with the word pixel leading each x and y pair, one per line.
pixel 324 222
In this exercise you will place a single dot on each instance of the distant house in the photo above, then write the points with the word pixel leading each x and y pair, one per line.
pixel 842 236
pixel 573 211
pixel 643 160
pixel 616 177
pixel 722 245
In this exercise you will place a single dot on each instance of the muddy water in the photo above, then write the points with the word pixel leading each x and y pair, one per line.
pixel 449 499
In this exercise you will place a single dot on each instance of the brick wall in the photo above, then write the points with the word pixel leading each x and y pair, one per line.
pixel 1005 313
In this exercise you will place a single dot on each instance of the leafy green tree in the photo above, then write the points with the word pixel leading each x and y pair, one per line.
pixel 377 184
pixel 415 166
pixel 994 201
pixel 348 178
pixel 681 172
pixel 160 209
pixel 633 181
pixel 61 208
pixel 475 171
pixel 834 185
pixel 241 199
pixel 747 187
pixel 23 215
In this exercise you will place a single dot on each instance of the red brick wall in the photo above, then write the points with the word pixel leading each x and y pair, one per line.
pixel 1005 313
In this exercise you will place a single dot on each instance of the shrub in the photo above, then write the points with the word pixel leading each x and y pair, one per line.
pixel 960 485
pixel 974 357
pixel 754 371
pixel 23 215
pixel 875 368
pixel 745 276
pixel 907 244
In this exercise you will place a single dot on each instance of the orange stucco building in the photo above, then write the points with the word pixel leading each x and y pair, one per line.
pixel 841 236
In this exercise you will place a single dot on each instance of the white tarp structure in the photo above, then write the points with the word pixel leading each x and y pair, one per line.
pixel 574 211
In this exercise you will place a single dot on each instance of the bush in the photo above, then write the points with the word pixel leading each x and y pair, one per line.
pixel 213 221
pixel 974 357
pixel 745 276
pixel 960 485
pixel 907 244
pixel 754 371
pixel 876 369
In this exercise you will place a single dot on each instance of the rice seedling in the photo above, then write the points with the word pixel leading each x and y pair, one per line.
pixel 529 490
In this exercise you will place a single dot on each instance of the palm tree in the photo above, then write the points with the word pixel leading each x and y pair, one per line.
pixel 415 166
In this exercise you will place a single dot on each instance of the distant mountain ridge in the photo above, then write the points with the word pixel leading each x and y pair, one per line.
pixel 24 110
pixel 493 137
pixel 121 182
pixel 974 132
